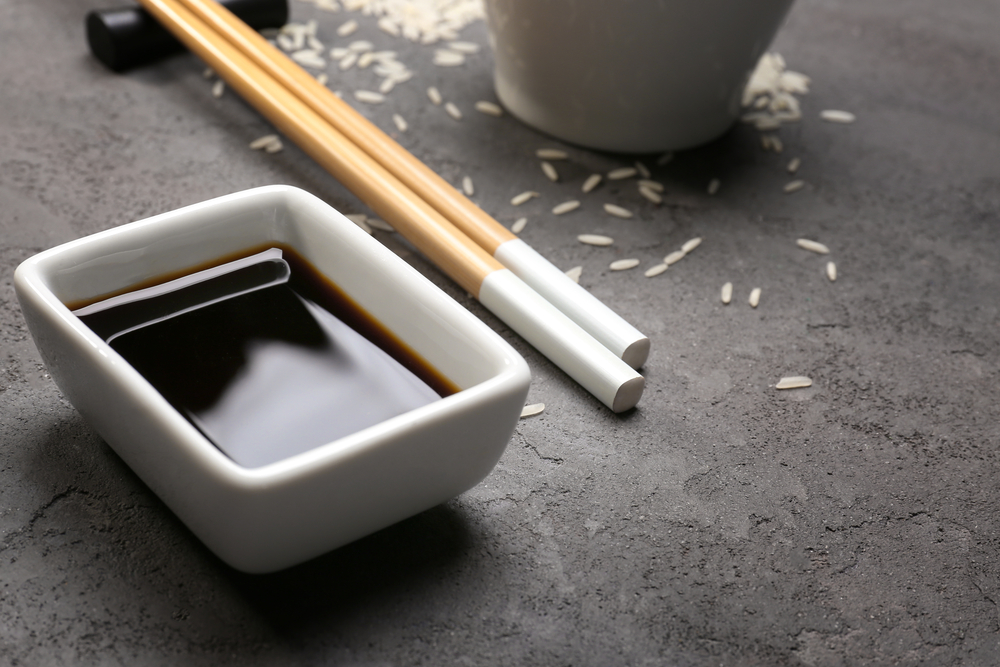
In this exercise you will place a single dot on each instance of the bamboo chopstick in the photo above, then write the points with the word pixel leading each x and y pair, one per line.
pixel 586 310
pixel 588 362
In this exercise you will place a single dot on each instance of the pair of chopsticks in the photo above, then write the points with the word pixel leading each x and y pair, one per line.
pixel 564 324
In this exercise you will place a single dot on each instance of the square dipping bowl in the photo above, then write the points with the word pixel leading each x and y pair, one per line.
pixel 267 518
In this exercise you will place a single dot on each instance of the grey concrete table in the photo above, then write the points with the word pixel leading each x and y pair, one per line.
pixel 722 522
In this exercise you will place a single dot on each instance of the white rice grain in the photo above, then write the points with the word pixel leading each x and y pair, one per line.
pixel 434 96
pixel 339 52
pixel 674 257
pixel 642 170
pixel 754 297
pixel 837 116
pixel 346 28
pixel 532 410
pixel 218 88
pixel 262 142
pixel 831 271
pixel 813 246
pixel 691 245
pixel 617 211
pixel 519 225
pixel 523 197
pixel 794 382
pixel 464 47
pixel 650 194
pixel 361 46
pixel 467 187
pixel 551 154
pixel 652 185
pixel 309 58
pixel 348 61
pixel 489 108
pixel 713 186
pixel 453 111
pixel 592 182
pixel 595 239
pixel 274 147
pixel 566 207
pixel 379 224
pixel 793 165
pixel 793 186
pixel 447 58
pixel 322 78
pixel 655 270
pixel 622 173
pixel 369 97
pixel 550 171
pixel 574 273
pixel 623 264
pixel 727 293
pixel 400 122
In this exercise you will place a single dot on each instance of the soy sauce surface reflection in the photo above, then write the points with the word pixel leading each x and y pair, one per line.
pixel 269 360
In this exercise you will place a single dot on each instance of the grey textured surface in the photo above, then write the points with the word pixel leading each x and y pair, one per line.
pixel 722 522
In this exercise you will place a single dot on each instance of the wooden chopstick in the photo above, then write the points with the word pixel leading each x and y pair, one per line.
pixel 579 305
pixel 599 371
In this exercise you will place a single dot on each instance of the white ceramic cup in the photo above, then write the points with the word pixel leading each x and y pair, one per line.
pixel 632 76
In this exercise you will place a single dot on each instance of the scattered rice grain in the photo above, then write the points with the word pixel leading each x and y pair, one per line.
pixel 519 225
pixel 348 61
pixel 794 382
pixel 464 47
pixel 617 211
pixel 655 270
pixel 551 154
pixel 674 257
pixel 434 96
pixel 467 187
pixel 489 108
pixel 592 182
pixel 274 147
pixel 532 410
pixel 566 207
pixel 813 246
pixel 218 88
pixel 650 194
pixel 622 173
pixel 691 245
pixel 754 297
pixel 793 165
pixel 400 122
pixel 794 186
pixel 262 142
pixel 574 273
pixel 595 239
pixel 347 28
pixel 837 116
pixel 714 185
pixel 652 185
pixel 623 264
pixel 368 96
pixel 208 73
pixel 361 46
pixel 379 224
pixel 322 78
pixel 523 197
pixel 831 271
pixel 727 293
pixel 453 111
pixel 643 170
pixel 550 171
pixel 446 58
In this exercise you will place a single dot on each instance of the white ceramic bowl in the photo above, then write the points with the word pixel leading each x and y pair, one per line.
pixel 267 518
pixel 633 76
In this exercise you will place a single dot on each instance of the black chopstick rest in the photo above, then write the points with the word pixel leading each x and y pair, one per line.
pixel 129 37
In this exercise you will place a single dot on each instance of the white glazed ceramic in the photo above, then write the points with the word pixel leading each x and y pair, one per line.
pixel 268 518
pixel 631 76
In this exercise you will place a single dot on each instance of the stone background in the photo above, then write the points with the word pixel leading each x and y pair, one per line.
pixel 722 522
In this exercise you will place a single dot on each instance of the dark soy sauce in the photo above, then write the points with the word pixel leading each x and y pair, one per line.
pixel 268 359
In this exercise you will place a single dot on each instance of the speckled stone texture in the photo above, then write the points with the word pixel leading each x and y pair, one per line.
pixel 721 523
